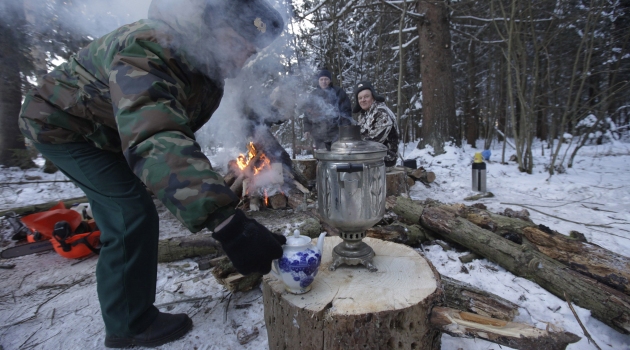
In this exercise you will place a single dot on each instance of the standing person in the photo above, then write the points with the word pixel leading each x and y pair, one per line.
pixel 328 108
pixel 377 121
pixel 122 114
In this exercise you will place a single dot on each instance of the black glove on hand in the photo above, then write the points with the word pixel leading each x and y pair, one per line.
pixel 250 246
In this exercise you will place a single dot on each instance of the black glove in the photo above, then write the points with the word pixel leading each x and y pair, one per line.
pixel 250 246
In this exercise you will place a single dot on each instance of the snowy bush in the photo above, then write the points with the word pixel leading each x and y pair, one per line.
pixel 605 131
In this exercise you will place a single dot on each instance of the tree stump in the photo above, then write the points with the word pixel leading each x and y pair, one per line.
pixel 396 183
pixel 352 308
pixel 306 167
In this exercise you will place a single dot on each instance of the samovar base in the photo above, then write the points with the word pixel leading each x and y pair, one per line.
pixel 353 253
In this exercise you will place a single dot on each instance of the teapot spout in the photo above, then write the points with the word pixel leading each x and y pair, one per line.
pixel 320 242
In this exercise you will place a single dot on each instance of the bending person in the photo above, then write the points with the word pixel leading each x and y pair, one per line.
pixel 122 114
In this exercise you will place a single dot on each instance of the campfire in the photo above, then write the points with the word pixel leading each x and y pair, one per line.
pixel 262 181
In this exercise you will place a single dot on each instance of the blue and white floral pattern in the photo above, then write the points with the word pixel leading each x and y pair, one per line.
pixel 302 266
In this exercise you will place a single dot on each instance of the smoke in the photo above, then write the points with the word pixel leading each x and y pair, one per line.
pixel 91 18
pixel 265 92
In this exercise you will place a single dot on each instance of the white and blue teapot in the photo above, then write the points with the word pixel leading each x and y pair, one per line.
pixel 299 263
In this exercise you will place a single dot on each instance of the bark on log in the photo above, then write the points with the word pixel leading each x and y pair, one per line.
pixel 516 335
pixel 462 296
pixel 589 259
pixel 606 304
pixel 411 235
pixel 178 248
pixel 352 308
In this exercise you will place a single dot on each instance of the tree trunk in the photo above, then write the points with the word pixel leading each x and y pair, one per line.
pixel 516 335
pixel 439 124
pixel 12 147
pixel 606 304
pixel 352 308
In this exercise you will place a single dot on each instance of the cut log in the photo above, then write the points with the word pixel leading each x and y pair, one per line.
pixel 606 304
pixel 462 296
pixel 589 259
pixel 178 248
pixel 352 308
pixel 395 182
pixel 516 335
pixel 225 273
pixel 422 175
pixel 278 201
pixel 306 167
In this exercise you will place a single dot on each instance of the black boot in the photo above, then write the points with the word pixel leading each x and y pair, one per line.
pixel 165 328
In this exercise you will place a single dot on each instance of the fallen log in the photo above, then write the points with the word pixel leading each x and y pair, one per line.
pixel 606 304
pixel 516 335
pixel 411 235
pixel 462 296
pixel 589 259
pixel 35 208
pixel 178 248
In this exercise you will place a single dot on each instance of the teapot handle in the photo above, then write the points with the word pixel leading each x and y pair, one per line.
pixel 275 269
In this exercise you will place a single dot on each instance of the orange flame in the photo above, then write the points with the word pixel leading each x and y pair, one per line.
pixel 242 161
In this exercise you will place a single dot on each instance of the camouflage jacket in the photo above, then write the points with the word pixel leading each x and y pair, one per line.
pixel 379 124
pixel 132 92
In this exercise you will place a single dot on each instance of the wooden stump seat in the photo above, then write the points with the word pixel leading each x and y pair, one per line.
pixel 352 308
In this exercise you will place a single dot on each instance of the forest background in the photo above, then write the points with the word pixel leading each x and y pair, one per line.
pixel 452 71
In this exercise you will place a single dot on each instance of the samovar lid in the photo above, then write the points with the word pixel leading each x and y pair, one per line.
pixel 351 147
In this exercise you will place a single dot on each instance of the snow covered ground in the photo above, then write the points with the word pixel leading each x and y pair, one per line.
pixel 48 302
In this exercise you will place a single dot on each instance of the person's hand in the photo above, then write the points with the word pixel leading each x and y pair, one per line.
pixel 250 246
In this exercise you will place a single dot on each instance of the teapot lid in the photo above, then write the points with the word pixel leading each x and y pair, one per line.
pixel 297 240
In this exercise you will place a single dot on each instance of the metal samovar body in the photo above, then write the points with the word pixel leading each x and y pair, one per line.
pixel 351 193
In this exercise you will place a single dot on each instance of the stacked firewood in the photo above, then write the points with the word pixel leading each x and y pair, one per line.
pixel 275 186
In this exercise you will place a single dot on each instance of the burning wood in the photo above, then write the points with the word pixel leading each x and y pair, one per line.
pixel 257 178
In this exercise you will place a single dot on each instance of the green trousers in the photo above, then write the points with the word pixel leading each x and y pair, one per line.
pixel 126 272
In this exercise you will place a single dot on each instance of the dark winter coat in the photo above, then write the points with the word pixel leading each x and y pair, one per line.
pixel 330 109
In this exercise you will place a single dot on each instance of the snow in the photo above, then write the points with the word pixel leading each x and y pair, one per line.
pixel 48 302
